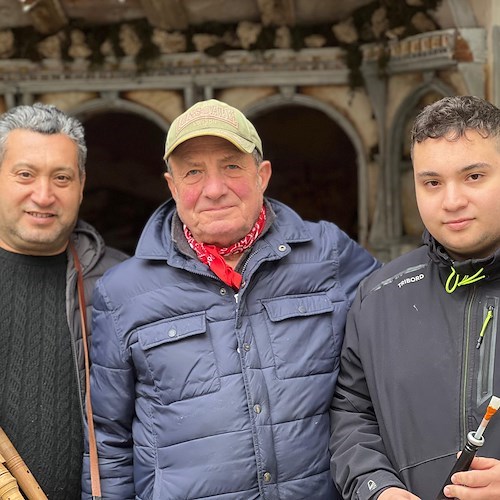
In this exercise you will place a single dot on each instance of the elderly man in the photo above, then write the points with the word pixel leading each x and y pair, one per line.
pixel 42 246
pixel 216 347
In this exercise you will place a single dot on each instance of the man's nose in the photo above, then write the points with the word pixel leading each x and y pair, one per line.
pixel 454 198
pixel 43 192
pixel 215 185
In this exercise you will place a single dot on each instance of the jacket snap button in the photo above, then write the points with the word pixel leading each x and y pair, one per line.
pixel 172 332
pixel 282 248
pixel 302 309
pixel 223 291
pixel 246 347
pixel 257 408
pixel 267 477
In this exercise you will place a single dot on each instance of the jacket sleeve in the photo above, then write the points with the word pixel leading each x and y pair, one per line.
pixel 355 264
pixel 112 393
pixel 359 464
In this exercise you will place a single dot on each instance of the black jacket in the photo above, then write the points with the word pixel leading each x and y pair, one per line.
pixel 412 380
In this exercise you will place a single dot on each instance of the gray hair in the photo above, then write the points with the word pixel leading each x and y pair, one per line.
pixel 43 119
pixel 453 117
pixel 257 156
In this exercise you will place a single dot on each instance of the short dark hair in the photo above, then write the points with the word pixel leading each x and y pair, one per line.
pixel 453 116
pixel 44 119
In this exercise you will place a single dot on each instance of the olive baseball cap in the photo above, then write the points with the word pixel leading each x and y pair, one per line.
pixel 215 118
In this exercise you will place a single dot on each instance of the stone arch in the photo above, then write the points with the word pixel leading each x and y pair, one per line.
pixel 124 168
pixel 401 196
pixel 103 105
pixel 275 102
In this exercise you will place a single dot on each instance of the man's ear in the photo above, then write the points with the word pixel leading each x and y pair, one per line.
pixel 171 184
pixel 82 182
pixel 264 172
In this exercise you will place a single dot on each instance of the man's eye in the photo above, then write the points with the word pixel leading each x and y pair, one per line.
pixel 192 172
pixel 475 177
pixel 233 167
pixel 431 183
pixel 25 175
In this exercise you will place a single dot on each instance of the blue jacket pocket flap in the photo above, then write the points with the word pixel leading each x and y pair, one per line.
pixel 281 308
pixel 171 330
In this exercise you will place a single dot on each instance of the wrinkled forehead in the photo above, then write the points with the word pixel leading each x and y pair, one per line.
pixel 207 144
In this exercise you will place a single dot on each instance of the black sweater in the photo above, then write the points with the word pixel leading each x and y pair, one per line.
pixel 39 402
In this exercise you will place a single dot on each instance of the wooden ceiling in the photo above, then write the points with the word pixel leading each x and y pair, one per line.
pixel 28 25
pixel 48 16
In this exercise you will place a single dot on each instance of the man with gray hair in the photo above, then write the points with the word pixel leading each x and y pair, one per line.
pixel 215 348
pixel 42 246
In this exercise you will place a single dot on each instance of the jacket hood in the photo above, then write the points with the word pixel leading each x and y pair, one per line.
pixel 89 244
pixel 490 265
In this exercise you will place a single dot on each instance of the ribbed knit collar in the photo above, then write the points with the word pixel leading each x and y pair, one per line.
pixel 33 260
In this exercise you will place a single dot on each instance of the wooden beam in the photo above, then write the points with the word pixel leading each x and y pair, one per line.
pixel 277 12
pixel 166 14
pixel 47 16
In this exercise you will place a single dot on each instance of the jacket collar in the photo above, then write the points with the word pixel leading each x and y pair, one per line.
pixel 157 243
pixel 490 265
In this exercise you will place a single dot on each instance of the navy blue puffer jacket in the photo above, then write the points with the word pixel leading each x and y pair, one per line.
pixel 199 392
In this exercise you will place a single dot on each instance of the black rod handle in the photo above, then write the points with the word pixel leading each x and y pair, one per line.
pixel 463 461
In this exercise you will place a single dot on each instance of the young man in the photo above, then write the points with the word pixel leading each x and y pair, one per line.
pixel 421 360
pixel 215 349
pixel 42 379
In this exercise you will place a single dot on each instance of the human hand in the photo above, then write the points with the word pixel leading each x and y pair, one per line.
pixel 481 482
pixel 397 494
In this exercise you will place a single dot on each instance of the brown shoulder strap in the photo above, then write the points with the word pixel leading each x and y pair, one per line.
pixel 94 461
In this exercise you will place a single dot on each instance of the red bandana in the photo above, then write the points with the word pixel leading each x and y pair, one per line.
pixel 212 255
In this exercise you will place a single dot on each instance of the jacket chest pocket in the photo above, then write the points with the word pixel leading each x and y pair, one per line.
pixel 302 335
pixel 487 351
pixel 180 357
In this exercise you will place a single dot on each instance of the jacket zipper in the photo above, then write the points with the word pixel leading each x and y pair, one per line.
pixel 465 368
pixel 243 269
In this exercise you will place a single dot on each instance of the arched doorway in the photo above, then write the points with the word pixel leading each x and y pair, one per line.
pixel 314 164
pixel 124 175
pixel 404 226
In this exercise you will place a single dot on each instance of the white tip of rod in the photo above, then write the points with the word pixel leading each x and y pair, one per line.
pixel 494 403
